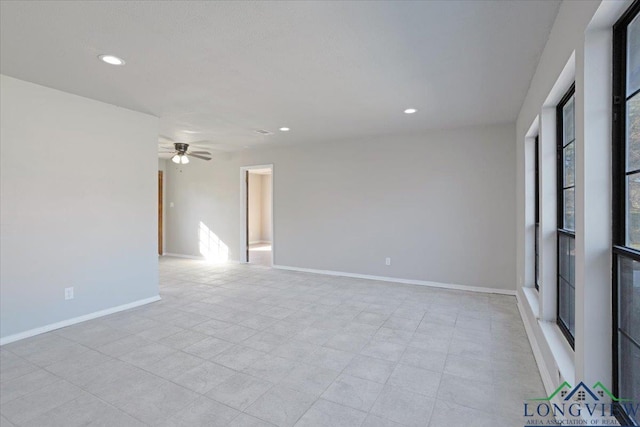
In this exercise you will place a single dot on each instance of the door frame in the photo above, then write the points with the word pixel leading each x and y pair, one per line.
pixel 244 218
pixel 160 213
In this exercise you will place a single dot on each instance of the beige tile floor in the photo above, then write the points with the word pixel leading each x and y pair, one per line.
pixel 246 345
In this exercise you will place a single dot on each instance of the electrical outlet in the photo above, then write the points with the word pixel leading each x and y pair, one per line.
pixel 387 261
pixel 68 293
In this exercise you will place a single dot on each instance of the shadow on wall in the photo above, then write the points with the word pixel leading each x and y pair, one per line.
pixel 211 247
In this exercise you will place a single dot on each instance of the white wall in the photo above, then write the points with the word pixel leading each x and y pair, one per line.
pixel 266 208
pixel 78 206
pixel 441 205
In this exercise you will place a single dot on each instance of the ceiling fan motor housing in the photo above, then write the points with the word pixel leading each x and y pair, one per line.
pixel 181 147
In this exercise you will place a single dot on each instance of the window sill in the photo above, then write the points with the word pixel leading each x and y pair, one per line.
pixel 532 298
pixel 561 350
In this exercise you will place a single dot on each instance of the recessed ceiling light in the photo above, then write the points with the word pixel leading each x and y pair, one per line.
pixel 410 111
pixel 112 60
pixel 285 129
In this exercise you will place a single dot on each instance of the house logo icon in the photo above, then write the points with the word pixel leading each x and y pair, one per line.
pixel 581 393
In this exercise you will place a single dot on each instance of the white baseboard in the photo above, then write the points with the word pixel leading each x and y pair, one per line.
pixel 199 257
pixel 73 321
pixel 404 281
pixel 547 380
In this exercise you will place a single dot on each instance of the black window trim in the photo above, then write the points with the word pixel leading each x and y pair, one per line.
pixel 560 204
pixel 619 172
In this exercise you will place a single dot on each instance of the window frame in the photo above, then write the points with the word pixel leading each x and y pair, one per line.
pixel 560 230
pixel 619 190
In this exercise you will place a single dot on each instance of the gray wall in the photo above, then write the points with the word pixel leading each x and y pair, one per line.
pixel 441 205
pixel 78 206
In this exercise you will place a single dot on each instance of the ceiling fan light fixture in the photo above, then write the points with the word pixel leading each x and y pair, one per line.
pixel 179 156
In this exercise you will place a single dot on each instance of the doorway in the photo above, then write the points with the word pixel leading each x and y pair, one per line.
pixel 257 215
pixel 160 217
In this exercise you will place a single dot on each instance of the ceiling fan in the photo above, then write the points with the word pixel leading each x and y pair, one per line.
pixel 181 152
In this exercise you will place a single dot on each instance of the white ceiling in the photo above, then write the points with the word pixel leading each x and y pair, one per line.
pixel 327 70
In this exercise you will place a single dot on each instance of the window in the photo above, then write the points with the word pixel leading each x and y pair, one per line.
pixel 626 210
pixel 537 215
pixel 566 215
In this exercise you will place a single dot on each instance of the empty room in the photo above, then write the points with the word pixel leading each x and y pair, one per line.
pixel 320 213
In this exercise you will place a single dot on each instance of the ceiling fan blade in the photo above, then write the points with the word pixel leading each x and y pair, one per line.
pixel 200 152
pixel 199 156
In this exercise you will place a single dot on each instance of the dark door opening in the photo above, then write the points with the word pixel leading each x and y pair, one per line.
pixel 258 214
